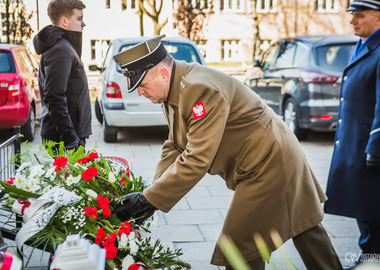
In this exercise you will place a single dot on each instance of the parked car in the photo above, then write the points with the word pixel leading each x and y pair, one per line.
pixel 20 102
pixel 114 107
pixel 300 78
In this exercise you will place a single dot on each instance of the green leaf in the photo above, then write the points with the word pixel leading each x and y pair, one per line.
pixel 18 191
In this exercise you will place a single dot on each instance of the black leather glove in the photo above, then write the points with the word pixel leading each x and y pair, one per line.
pixel 373 163
pixel 133 205
pixel 74 145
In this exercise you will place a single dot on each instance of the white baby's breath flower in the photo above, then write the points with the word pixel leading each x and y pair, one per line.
pixel 111 177
pixel 91 193
pixel 123 242
pixel 127 261
pixel 134 247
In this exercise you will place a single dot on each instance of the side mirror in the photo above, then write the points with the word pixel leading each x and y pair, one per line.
pixel 256 63
pixel 94 68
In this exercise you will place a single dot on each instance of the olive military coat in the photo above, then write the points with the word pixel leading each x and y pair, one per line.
pixel 352 189
pixel 219 126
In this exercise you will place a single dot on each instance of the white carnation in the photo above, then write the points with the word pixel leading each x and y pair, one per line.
pixel 134 247
pixel 128 261
pixel 123 242
pixel 111 177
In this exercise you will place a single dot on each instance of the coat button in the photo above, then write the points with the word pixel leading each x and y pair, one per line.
pixel 341 100
pixel 337 143
pixel 340 121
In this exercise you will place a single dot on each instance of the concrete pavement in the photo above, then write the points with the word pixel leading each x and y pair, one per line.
pixel 195 222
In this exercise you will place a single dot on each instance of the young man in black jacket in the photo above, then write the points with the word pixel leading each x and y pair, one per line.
pixel 66 113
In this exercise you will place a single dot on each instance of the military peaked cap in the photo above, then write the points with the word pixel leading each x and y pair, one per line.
pixel 137 60
pixel 357 5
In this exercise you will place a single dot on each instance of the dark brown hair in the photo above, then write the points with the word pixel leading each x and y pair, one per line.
pixel 58 8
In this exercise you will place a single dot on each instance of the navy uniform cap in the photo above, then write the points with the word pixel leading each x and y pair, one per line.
pixel 357 5
pixel 137 60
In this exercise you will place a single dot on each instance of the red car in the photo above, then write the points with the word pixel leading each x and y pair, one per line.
pixel 20 102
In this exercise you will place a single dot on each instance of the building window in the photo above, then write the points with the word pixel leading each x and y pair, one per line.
pixel 326 6
pixel 203 4
pixel 128 4
pixel 99 49
pixel 266 6
pixel 202 45
pixel 232 5
pixel 108 4
pixel 231 50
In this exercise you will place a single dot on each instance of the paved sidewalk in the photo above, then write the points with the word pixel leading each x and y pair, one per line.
pixel 195 222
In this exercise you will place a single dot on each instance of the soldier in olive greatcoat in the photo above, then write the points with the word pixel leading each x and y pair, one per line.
pixel 219 126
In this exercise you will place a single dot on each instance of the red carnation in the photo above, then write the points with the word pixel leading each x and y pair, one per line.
pixel 60 163
pixel 136 266
pixel 90 173
pixel 125 228
pixel 103 202
pixel 91 212
pixel 10 181
pixel 83 160
pixel 93 155
pixel 100 236
pixel 106 212
pixel 111 252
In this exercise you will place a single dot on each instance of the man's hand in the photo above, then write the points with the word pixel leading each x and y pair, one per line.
pixel 373 163
pixel 74 145
pixel 133 205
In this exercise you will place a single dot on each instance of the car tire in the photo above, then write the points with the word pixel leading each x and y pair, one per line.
pixel 29 128
pixel 98 111
pixel 109 132
pixel 291 119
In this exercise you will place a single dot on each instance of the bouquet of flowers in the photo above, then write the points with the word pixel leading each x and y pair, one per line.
pixel 70 193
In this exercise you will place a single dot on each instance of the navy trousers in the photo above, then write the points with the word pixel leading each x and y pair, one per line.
pixel 369 240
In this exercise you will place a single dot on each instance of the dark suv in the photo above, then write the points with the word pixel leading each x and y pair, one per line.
pixel 300 78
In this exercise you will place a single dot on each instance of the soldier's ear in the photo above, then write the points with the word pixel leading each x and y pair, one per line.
pixel 164 73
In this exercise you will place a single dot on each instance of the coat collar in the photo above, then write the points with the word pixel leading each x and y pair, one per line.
pixel 371 45
pixel 178 71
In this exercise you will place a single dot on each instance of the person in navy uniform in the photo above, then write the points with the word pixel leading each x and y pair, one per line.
pixel 354 178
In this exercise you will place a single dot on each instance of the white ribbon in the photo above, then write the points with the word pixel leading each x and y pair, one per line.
pixel 39 213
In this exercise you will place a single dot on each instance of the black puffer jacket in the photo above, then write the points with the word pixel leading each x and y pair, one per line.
pixel 66 113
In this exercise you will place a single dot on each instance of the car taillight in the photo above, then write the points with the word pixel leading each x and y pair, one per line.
pixel 113 90
pixel 15 89
pixel 314 77
pixel 322 117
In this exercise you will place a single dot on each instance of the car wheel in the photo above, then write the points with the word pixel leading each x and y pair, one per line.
pixel 109 132
pixel 29 128
pixel 291 119
pixel 98 112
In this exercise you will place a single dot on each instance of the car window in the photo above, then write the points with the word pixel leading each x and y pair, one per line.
pixel 268 57
pixel 179 51
pixel 23 59
pixel 285 54
pixel 333 57
pixel 301 55
pixel 7 64
pixel 108 56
